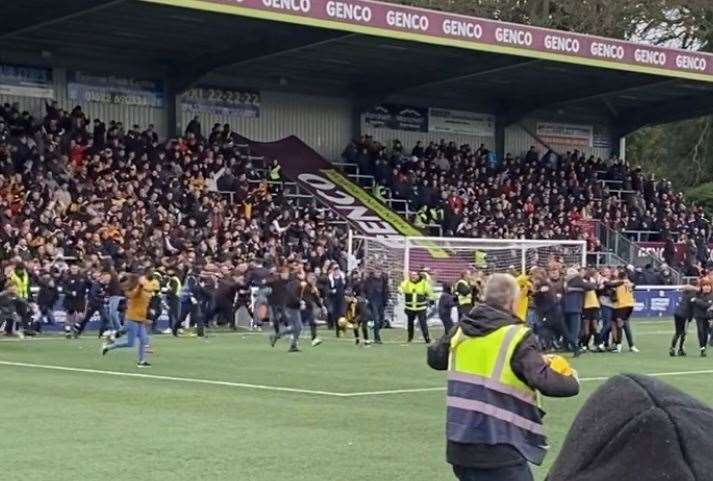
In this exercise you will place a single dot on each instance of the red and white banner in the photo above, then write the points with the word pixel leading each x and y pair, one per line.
pixel 370 16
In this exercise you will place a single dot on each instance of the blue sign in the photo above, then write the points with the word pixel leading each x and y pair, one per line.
pixel 653 302
pixel 21 81
pixel 83 87
pixel 397 117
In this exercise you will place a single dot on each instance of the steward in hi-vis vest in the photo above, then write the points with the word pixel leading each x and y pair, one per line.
pixel 496 374
pixel 418 295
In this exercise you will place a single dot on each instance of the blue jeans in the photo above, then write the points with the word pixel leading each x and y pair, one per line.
pixel 294 318
pixel 518 472
pixel 607 319
pixel 115 317
pixel 134 330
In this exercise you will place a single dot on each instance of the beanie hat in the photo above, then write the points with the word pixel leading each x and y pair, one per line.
pixel 636 428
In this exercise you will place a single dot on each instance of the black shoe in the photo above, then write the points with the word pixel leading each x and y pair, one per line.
pixel 143 364
pixel 273 340
pixel 105 349
pixel 68 334
pixel 378 341
pixel 428 341
pixel 293 349
pixel 703 352
pixel 672 352
pixel 681 353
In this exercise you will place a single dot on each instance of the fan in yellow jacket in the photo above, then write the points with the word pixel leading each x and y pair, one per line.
pixel 138 291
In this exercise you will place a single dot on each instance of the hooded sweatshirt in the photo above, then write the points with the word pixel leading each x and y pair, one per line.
pixel 527 364
pixel 636 428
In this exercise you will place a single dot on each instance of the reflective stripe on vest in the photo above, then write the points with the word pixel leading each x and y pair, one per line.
pixel 486 402
pixel 416 294
pixel 177 281
pixel 22 285
pixel 467 299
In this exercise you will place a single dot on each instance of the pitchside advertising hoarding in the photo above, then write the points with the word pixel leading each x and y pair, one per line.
pixel 86 87
pixel 222 102
pixel 24 81
pixel 469 32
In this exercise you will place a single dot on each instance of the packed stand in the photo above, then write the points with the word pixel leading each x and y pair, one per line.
pixel 470 193
pixel 73 188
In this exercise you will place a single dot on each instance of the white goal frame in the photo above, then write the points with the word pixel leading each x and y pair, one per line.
pixel 408 242
pixel 399 250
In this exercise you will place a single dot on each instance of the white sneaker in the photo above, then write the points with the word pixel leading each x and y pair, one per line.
pixel 20 335
pixel 167 331
pixel 368 342
pixel 601 347
pixel 108 334
pixel 316 342
pixel 618 348
pixel 634 349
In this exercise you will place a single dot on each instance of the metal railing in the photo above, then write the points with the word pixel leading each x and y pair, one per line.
pixel 630 252
pixel 640 235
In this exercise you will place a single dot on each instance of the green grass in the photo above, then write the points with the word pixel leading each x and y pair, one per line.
pixel 61 425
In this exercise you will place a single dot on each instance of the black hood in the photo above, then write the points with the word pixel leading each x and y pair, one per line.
pixel 483 320
pixel 636 428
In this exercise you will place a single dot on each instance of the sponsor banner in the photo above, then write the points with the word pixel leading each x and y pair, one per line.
pixel 653 301
pixel 477 33
pixel 21 81
pixel 352 203
pixel 83 87
pixel 224 102
pixel 461 122
pixel 656 249
pixel 601 138
pixel 397 117
pixel 565 134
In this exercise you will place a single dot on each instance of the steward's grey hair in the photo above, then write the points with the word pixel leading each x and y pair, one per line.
pixel 501 290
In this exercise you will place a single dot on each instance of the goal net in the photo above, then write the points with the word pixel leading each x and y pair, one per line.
pixel 446 258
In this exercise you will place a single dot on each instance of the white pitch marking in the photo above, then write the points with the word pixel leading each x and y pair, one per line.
pixel 173 378
pixel 584 379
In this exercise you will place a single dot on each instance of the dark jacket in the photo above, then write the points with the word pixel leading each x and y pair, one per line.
pixel 47 295
pixel 573 300
pixel 527 364
pixel 446 303
pixel 701 304
pixel 636 428
pixel 684 308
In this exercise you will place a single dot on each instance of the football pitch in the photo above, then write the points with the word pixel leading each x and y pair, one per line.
pixel 230 407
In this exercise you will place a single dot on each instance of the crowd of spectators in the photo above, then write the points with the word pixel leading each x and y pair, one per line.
pixel 76 188
pixel 471 193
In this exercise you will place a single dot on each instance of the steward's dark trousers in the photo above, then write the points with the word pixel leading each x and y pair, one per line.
pixel 518 472
pixel 411 317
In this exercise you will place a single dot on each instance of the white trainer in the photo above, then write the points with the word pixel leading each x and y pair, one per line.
pixel 316 342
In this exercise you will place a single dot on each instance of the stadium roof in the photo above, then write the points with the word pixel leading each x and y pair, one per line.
pixel 370 51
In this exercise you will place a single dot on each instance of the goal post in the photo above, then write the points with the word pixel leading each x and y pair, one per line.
pixel 446 258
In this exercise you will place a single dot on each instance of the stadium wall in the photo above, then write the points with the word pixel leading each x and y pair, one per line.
pixel 127 114
pixel 409 138
pixel 323 123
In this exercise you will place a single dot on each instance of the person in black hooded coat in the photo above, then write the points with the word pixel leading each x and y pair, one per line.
pixel 636 428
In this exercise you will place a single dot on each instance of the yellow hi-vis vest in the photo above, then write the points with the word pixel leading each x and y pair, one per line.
pixel 275 173
pixel 486 402
pixel 416 294
pixel 22 284
pixel 464 299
